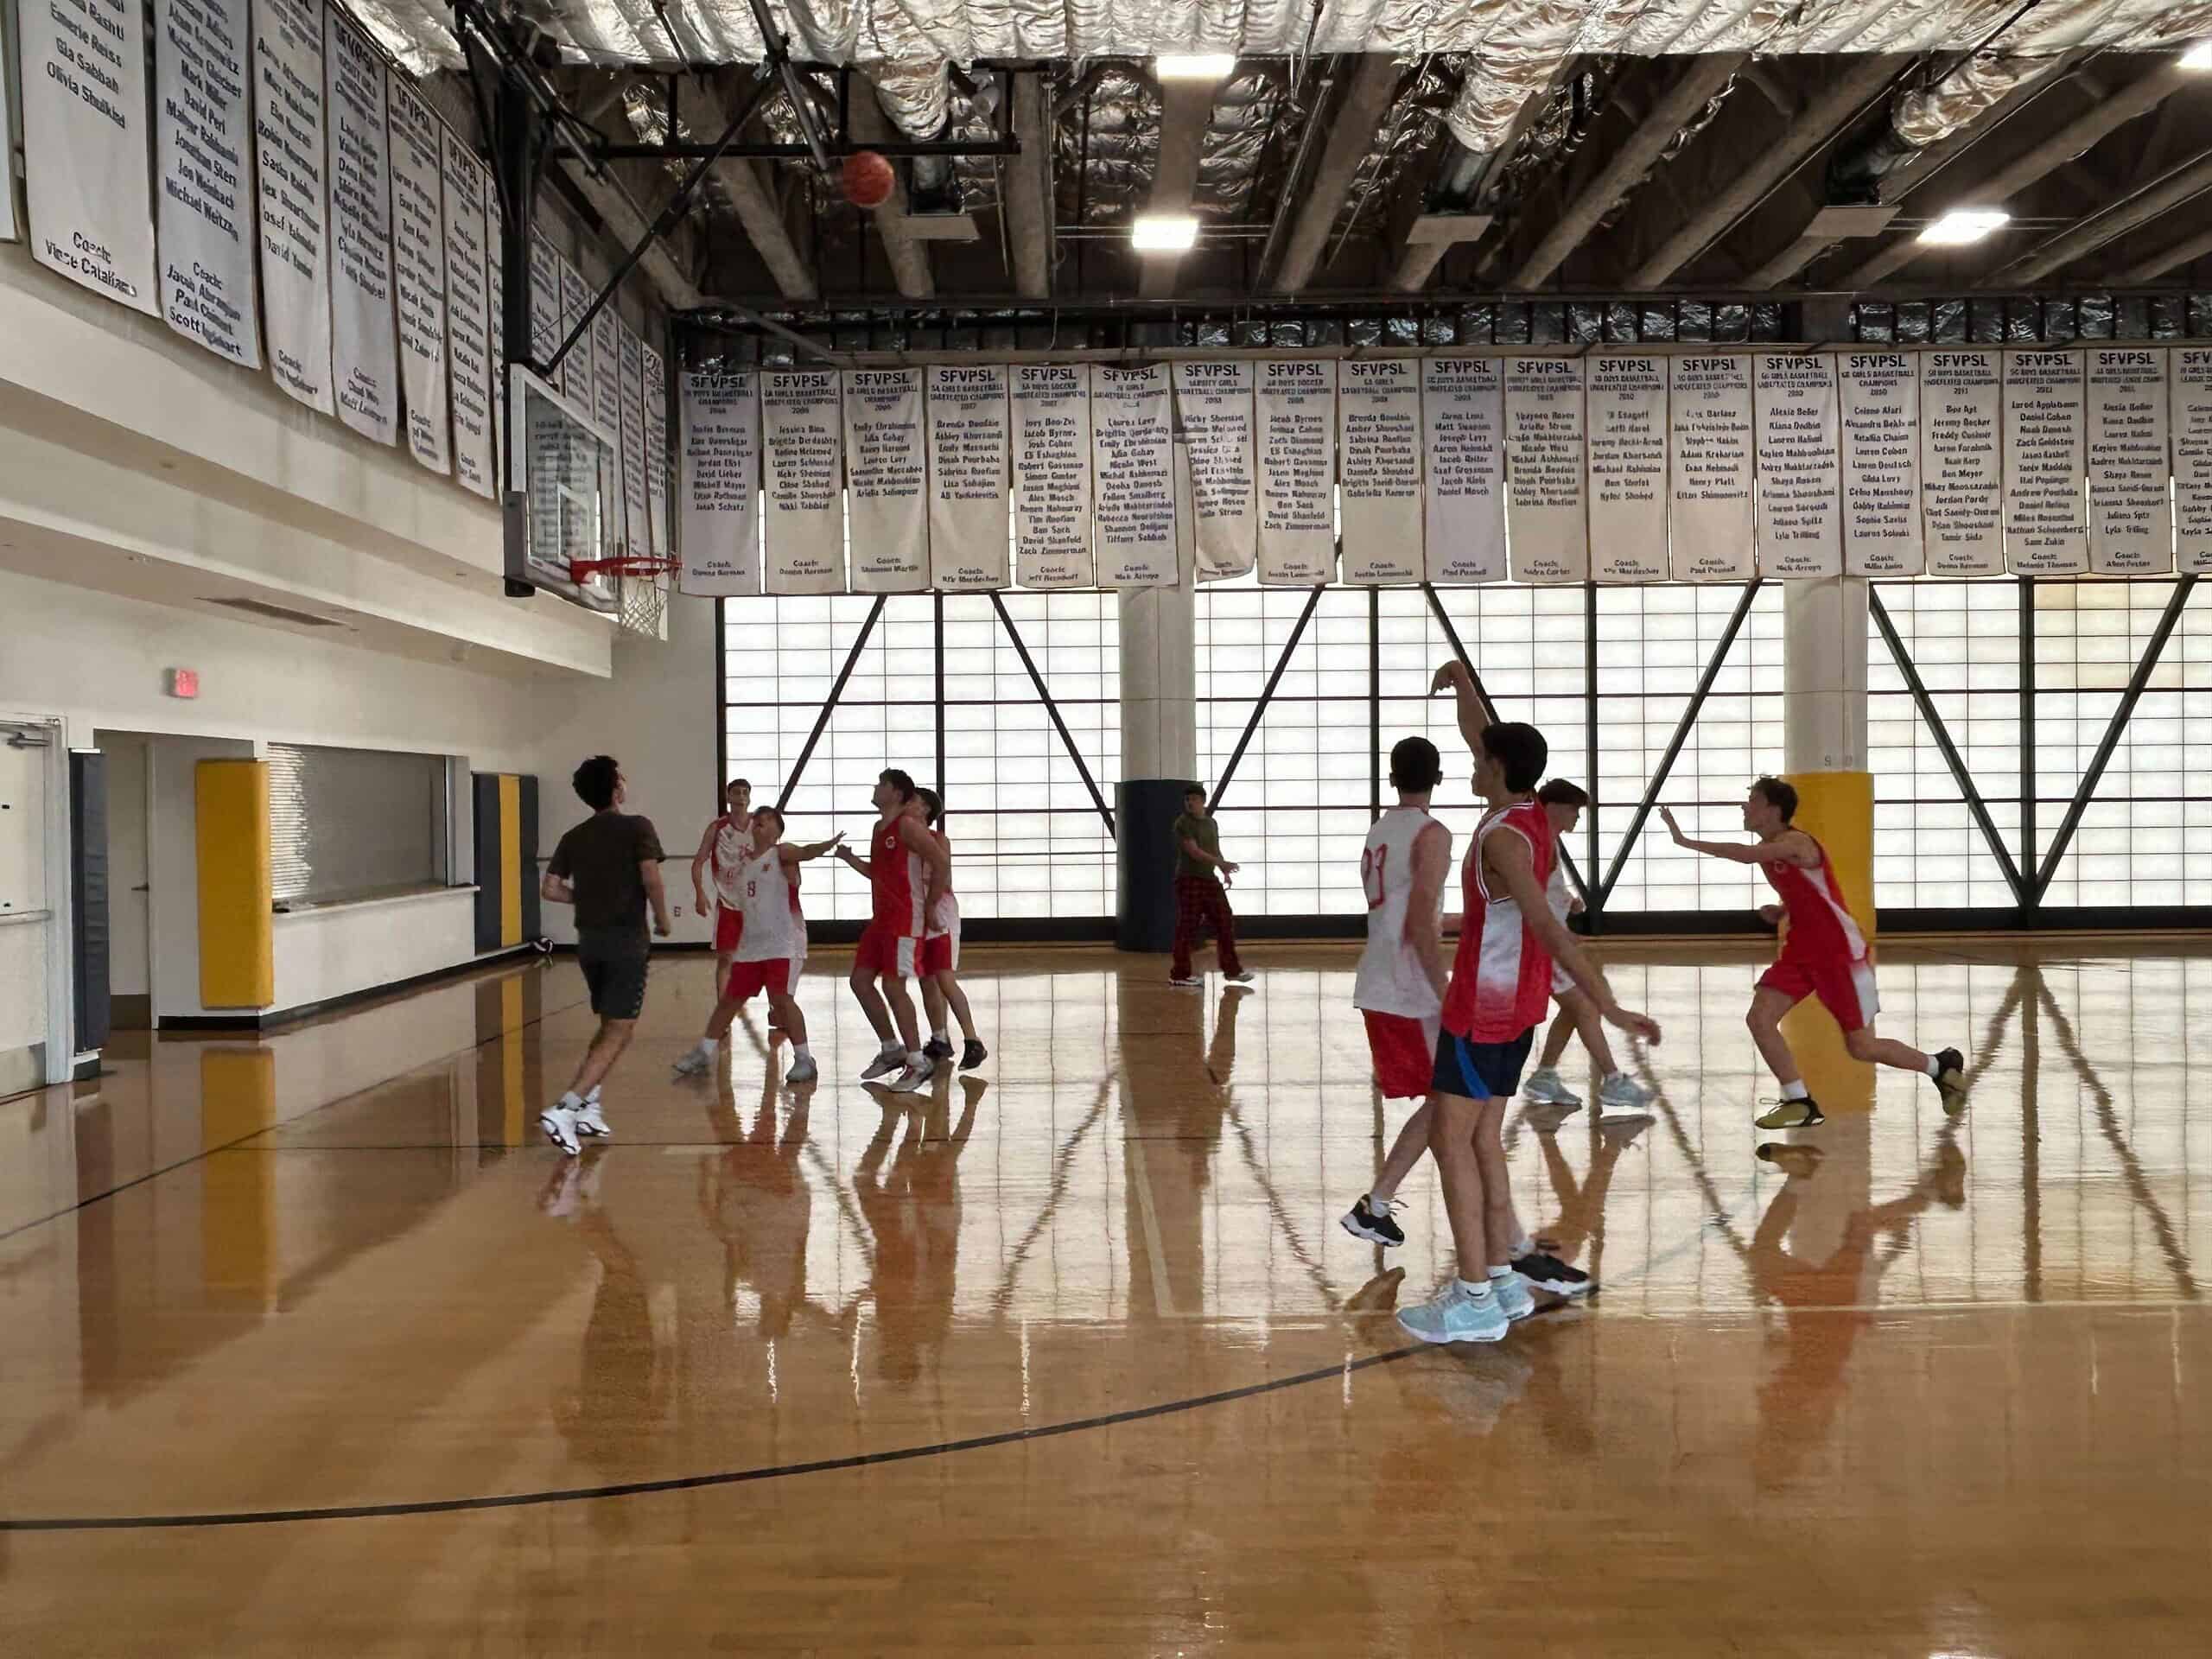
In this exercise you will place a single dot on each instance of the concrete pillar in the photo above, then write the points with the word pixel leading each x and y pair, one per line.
pixel 1160 757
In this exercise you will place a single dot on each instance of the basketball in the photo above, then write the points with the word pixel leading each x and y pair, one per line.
pixel 867 179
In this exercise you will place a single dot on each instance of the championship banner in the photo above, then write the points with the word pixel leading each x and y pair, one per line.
pixel 1879 413
pixel 1132 437
pixel 1463 421
pixel 969 449
pixel 1295 440
pixel 576 366
pixel 2190 420
pixel 886 481
pixel 1627 402
pixel 2130 520
pixel 544 298
pixel 1709 467
pixel 1547 518
pixel 1379 437
pixel 81 69
pixel 364 341
pixel 719 494
pixel 2046 532
pixel 1213 407
pixel 1052 474
pixel 469 318
pixel 606 341
pixel 802 429
pixel 636 525
pixel 495 339
pixel 292 205
pixel 419 269
pixel 1801 483
pixel 201 131
pixel 1961 408
pixel 656 376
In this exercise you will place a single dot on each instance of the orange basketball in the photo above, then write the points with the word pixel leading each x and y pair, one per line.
pixel 867 179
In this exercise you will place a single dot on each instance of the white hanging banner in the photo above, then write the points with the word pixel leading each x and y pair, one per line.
pixel 1709 466
pixel 82 69
pixel 1213 407
pixel 970 446
pixel 1379 439
pixel 656 389
pixel 1463 422
pixel 544 297
pixel 1801 476
pixel 2046 444
pixel 1627 402
pixel 1878 398
pixel 495 303
pixel 607 367
pixel 1295 440
pixel 719 495
pixel 1962 406
pixel 887 483
pixel 576 366
pixel 1132 435
pixel 205 219
pixel 2190 375
pixel 419 272
pixel 1052 474
pixel 801 430
pixel 636 492
pixel 2131 518
pixel 1547 522
pixel 364 341
pixel 289 150
pixel 469 319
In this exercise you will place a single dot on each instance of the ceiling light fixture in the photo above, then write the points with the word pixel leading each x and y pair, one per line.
pixel 1195 66
pixel 1963 225
pixel 2198 56
pixel 1163 232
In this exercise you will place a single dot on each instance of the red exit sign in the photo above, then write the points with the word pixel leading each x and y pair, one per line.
pixel 184 682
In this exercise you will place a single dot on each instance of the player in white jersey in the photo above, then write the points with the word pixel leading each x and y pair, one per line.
pixel 940 958
pixel 1618 1094
pixel 771 948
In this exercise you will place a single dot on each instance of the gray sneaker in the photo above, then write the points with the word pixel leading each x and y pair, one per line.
pixel 1455 1316
pixel 890 1060
pixel 693 1064
pixel 1622 1096
pixel 1543 1086
pixel 802 1071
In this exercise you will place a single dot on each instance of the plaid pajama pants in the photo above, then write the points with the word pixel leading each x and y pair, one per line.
pixel 1200 901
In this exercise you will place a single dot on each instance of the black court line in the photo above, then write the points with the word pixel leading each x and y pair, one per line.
pixel 694 1483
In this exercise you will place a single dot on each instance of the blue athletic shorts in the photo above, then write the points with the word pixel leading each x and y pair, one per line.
pixel 1479 1070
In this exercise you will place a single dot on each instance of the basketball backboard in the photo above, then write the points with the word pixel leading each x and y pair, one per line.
pixel 564 492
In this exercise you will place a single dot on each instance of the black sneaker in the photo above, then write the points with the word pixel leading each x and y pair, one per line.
pixel 1802 1113
pixel 1373 1224
pixel 938 1049
pixel 1547 1272
pixel 1951 1079
pixel 974 1054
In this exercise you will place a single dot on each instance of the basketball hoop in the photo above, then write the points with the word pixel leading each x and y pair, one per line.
pixel 640 586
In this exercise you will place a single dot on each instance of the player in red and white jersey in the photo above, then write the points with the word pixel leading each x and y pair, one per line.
pixel 1499 989
pixel 907 871
pixel 1618 1094
pixel 723 847
pixel 941 954
pixel 763 887
pixel 1823 954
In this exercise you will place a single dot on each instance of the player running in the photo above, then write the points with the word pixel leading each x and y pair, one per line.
pixel 907 871
pixel 1823 955
pixel 941 955
pixel 772 947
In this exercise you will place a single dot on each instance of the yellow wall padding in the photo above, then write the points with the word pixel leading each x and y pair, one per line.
pixel 510 859
pixel 238 965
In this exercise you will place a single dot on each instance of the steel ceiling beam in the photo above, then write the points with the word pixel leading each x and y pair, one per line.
pixel 2187 252
pixel 1028 190
pixel 909 258
pixel 1186 112
pixel 1352 128
pixel 2183 184
pixel 702 107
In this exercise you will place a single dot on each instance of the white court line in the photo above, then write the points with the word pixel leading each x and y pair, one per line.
pixel 1155 1254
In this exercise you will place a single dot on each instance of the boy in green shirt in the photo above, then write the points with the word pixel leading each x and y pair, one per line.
pixel 1201 899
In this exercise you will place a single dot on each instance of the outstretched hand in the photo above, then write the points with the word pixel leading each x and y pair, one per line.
pixel 1667 818
pixel 1449 677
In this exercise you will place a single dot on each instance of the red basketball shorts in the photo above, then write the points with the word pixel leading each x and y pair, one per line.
pixel 884 950
pixel 1846 988
pixel 748 980
pixel 1404 1049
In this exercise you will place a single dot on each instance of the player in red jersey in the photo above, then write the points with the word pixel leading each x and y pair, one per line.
pixel 1823 955
pixel 907 871
pixel 1500 989
pixel 725 844
pixel 941 956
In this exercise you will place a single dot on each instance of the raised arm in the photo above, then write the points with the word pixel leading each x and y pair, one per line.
pixel 1431 867
pixel 852 860
pixel 1791 847
pixel 1474 719
pixel 1506 855
pixel 793 854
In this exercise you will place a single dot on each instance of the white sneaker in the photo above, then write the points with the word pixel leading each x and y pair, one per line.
pixel 1188 982
pixel 890 1060
pixel 560 1126
pixel 1543 1086
pixel 695 1064
pixel 1622 1096
pixel 1241 978
pixel 590 1122
pixel 915 1078
pixel 802 1071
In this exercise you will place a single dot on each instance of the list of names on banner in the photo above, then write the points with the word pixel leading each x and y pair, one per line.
pixel 1628 468
pixel 801 431
pixel 2045 445
pixel 885 480
pixel 636 525
pixel 1379 421
pixel 1878 397
pixel 1133 464
pixel 1962 402
pixel 204 224
pixel 1546 519
pixel 1800 521
pixel 82 72
pixel 544 297
pixel 605 339
pixel 1709 464
pixel 470 320
pixel 1295 442
pixel 419 267
pixel 289 147
pixel 495 337
pixel 1052 474
pixel 1463 410
pixel 364 346
pixel 719 494
pixel 2131 521
pixel 1213 403
pixel 2190 406
pixel 655 375
pixel 575 367
pixel 968 453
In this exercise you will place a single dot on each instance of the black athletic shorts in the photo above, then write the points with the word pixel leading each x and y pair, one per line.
pixel 1479 1070
pixel 614 961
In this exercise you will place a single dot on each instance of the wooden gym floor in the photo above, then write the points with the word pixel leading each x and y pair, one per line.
pixel 312 1346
